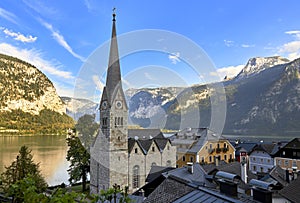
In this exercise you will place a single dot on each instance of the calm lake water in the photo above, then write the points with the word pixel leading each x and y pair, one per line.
pixel 48 150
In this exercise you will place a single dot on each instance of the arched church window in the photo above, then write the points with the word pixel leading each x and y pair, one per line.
pixel 119 121
pixel 136 177
pixel 122 121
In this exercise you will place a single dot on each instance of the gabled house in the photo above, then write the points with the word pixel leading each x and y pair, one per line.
pixel 288 156
pixel 147 148
pixel 261 159
pixel 201 145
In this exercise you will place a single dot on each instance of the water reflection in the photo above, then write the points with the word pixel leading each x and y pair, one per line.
pixel 48 150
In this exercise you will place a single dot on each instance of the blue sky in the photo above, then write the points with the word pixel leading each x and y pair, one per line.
pixel 59 36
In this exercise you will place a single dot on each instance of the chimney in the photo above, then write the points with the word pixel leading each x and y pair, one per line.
pixel 244 175
pixel 261 190
pixel 190 167
pixel 228 183
pixel 287 176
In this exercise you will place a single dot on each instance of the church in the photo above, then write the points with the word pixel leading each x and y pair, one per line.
pixel 120 155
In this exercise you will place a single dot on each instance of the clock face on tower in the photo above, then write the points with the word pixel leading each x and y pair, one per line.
pixel 119 104
pixel 104 105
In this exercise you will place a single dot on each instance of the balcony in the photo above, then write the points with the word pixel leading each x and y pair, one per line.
pixel 225 149
pixel 210 151
pixel 218 150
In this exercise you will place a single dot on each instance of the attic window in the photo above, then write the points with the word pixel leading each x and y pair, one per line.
pixel 136 150
pixel 153 149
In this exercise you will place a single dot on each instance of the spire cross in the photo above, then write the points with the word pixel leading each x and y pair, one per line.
pixel 114 14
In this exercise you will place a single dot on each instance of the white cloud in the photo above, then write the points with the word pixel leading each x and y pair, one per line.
pixel 228 43
pixel 247 45
pixel 60 40
pixel 291 50
pixel 35 58
pixel 229 71
pixel 19 37
pixel 8 15
pixel 174 57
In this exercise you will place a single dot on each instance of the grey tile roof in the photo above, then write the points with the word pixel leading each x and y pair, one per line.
pixel 203 195
pixel 156 171
pixel 168 191
pixel 198 177
pixel 144 133
pixel 145 138
pixel 291 192
pixel 279 175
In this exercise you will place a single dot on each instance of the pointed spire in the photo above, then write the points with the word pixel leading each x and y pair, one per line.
pixel 113 78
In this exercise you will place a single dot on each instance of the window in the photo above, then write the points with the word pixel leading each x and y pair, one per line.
pixel 136 177
pixel 218 145
pixel 261 169
pixel 169 164
pixel 210 146
pixel 283 153
pixel 210 158
pixel 183 158
pixel 230 157
pixel 225 146
pixel 122 121
pixel 153 149
pixel 269 160
pixel 279 162
pixel 294 153
pixel 253 158
pixel 286 163
pixel 225 157
pixel 153 164
pixel 261 160
pixel 136 150
pixel 254 168
pixel 191 159
pixel 202 159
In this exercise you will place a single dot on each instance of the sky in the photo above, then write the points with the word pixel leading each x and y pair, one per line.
pixel 60 37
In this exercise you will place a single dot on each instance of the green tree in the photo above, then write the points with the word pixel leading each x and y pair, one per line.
pixel 19 170
pixel 87 128
pixel 79 159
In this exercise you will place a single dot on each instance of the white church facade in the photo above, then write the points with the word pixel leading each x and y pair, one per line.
pixel 120 155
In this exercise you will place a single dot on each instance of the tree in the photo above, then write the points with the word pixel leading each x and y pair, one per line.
pixel 79 159
pixel 87 128
pixel 20 169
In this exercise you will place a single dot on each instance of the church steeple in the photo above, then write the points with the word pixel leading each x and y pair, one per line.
pixel 113 78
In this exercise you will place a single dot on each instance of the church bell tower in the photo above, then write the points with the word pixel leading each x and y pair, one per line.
pixel 109 165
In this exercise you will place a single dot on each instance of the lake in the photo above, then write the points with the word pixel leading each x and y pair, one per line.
pixel 48 150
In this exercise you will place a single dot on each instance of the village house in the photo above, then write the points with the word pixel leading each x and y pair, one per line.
pixel 201 145
pixel 288 156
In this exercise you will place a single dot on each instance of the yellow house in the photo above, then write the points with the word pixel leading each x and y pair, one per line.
pixel 202 145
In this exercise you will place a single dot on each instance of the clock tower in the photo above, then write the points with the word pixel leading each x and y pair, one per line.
pixel 109 160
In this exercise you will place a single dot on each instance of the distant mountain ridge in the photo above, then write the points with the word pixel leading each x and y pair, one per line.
pixel 262 99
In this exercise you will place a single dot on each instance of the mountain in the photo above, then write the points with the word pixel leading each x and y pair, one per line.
pixel 78 107
pixel 28 99
pixel 263 99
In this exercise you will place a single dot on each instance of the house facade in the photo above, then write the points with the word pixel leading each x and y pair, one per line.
pixel 201 145
pixel 261 159
pixel 288 156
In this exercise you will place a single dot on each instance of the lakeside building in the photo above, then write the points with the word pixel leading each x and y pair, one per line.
pixel 288 156
pixel 201 145
pixel 119 155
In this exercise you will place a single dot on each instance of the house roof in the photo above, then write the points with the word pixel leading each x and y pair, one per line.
pixel 144 134
pixel 156 171
pixel 244 147
pixel 145 137
pixel 204 195
pixel 168 191
pixel 198 177
pixel 293 144
pixel 278 174
pixel 205 136
pixel 266 147
pixel 291 192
